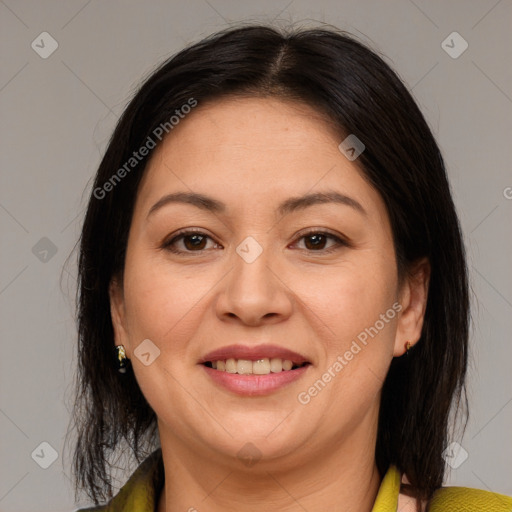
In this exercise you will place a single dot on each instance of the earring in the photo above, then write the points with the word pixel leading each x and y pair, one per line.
pixel 407 347
pixel 122 360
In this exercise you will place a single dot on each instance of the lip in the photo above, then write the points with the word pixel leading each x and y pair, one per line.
pixel 255 385
pixel 253 353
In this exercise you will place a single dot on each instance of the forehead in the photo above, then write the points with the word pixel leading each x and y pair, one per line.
pixel 255 120
pixel 263 147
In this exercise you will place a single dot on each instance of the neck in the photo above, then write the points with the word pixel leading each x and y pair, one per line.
pixel 344 474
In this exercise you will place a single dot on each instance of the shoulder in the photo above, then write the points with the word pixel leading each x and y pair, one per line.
pixel 456 499
pixel 465 499
pixel 141 491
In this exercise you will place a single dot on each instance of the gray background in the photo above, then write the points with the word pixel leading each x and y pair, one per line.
pixel 57 116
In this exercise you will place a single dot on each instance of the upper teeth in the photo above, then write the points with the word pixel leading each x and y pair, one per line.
pixel 260 367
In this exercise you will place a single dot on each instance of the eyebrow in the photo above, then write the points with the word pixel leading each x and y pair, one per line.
pixel 286 207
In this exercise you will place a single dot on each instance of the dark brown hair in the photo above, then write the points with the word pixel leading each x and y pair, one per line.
pixel 354 88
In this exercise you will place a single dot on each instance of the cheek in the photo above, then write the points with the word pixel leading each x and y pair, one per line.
pixel 351 298
pixel 355 305
pixel 160 301
pixel 162 305
pixel 358 325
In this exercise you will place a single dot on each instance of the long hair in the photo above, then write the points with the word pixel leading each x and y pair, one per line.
pixel 355 89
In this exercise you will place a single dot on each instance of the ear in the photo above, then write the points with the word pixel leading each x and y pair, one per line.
pixel 117 312
pixel 413 299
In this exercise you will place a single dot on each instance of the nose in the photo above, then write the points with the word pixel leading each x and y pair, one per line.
pixel 254 293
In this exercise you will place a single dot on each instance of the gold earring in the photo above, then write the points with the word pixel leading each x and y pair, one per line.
pixel 407 347
pixel 121 359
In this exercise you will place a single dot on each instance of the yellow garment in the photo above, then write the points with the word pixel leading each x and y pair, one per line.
pixel 141 493
pixel 445 499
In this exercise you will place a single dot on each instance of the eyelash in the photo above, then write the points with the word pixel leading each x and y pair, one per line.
pixel 169 245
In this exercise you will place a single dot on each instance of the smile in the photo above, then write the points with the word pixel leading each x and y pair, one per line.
pixel 263 366
pixel 251 384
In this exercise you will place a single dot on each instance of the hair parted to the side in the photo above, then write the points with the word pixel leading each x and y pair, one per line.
pixel 357 91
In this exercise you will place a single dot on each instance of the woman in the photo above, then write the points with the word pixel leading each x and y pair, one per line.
pixel 272 249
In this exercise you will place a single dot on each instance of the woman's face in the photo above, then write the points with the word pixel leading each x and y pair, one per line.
pixel 292 259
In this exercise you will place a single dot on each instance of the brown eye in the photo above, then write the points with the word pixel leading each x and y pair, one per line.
pixel 188 242
pixel 192 242
pixel 317 241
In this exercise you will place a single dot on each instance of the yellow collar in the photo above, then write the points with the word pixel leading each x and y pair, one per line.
pixel 387 497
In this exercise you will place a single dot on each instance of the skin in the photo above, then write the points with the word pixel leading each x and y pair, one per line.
pixel 252 154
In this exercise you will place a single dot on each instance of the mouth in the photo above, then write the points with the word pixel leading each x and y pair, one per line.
pixel 254 370
pixel 262 366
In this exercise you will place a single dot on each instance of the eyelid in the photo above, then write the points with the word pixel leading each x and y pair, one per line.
pixel 182 233
pixel 320 230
